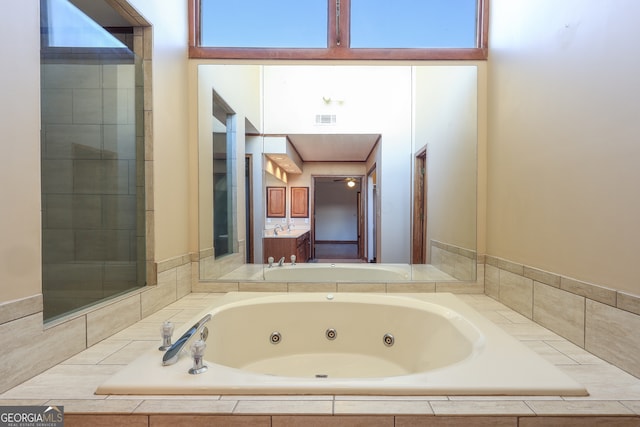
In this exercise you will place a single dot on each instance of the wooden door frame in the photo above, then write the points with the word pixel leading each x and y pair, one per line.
pixel 371 223
pixel 419 246
pixel 361 226
pixel 312 218
pixel 249 239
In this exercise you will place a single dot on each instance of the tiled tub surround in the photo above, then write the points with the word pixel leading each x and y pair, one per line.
pixel 28 348
pixel 212 268
pixel 614 394
pixel 359 272
pixel 441 346
pixel 425 278
pixel 603 321
pixel 458 262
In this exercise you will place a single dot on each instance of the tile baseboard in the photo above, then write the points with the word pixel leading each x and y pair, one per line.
pixel 591 316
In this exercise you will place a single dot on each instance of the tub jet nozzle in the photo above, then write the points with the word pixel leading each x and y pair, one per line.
pixel 388 340
pixel 275 338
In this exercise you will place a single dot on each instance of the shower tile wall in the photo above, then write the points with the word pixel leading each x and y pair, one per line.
pixel 91 188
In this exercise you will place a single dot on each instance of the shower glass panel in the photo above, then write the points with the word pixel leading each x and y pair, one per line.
pixel 92 170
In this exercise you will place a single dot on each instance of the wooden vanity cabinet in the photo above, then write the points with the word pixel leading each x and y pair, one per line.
pixel 303 248
pixel 299 202
pixel 279 247
pixel 276 202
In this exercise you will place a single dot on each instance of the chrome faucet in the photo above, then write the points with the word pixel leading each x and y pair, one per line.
pixel 171 356
pixel 281 262
pixel 277 228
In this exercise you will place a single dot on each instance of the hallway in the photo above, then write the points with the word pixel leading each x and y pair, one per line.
pixel 336 252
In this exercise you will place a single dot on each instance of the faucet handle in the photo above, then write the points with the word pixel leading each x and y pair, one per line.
pixel 198 348
pixel 197 352
pixel 173 353
pixel 167 333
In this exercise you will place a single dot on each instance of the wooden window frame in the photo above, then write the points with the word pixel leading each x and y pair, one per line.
pixel 338 42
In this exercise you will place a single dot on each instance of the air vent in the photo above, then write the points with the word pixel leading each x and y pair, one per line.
pixel 325 119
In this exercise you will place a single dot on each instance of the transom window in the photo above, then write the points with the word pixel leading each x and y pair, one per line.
pixel 338 29
pixel 263 24
pixel 413 24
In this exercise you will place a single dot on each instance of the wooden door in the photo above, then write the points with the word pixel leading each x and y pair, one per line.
pixel 249 207
pixel 419 244
pixel 361 227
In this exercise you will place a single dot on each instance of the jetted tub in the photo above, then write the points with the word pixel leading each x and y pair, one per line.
pixel 338 272
pixel 346 343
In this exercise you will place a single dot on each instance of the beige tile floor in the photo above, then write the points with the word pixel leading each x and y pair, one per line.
pixel 614 394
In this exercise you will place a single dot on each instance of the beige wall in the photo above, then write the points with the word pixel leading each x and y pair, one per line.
pixel 481 209
pixel 20 265
pixel 563 156
pixel 446 122
pixel 173 199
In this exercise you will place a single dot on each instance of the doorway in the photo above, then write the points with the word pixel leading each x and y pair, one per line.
pixel 419 241
pixel 248 194
pixel 337 219
pixel 372 217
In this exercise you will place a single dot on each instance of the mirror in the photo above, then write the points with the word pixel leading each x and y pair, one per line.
pixel 386 157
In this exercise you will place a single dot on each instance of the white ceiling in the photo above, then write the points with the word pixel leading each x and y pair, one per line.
pixel 334 147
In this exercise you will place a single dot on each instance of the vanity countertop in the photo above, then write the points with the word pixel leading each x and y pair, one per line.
pixel 285 234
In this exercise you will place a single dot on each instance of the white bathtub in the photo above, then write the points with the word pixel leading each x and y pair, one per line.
pixel 343 272
pixel 440 347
